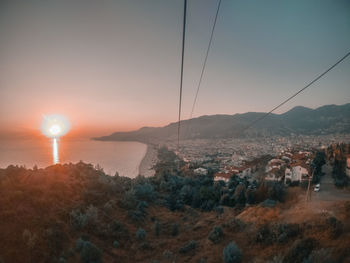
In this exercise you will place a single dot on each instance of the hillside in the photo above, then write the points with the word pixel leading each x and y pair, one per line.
pixel 299 120
pixel 74 213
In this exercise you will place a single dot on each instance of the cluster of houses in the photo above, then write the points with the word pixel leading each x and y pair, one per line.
pixel 291 167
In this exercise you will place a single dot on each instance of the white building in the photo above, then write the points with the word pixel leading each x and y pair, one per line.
pixel 274 164
pixel 201 171
pixel 273 175
pixel 296 174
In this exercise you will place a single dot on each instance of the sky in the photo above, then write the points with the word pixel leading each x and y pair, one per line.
pixel 115 65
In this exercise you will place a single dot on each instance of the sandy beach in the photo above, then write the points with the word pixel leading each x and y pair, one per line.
pixel 148 161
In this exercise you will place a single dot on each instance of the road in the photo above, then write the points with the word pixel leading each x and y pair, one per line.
pixel 328 190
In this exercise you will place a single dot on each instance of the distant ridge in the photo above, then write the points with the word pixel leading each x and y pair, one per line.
pixel 327 119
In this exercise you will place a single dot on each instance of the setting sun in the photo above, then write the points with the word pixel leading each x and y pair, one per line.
pixel 55 129
pixel 55 126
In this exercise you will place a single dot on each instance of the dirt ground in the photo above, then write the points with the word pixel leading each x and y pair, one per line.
pixel 326 202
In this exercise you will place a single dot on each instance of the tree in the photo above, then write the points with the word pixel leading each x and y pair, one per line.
pixel 231 253
pixel 239 195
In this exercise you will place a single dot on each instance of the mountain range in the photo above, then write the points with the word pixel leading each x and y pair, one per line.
pixel 328 119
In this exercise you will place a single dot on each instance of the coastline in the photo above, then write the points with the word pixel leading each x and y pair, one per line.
pixel 148 161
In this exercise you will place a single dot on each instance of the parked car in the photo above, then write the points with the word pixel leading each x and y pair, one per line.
pixel 317 188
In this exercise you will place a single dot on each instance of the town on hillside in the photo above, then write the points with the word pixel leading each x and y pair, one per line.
pixel 291 160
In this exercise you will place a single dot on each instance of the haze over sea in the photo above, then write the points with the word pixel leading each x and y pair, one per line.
pixel 121 157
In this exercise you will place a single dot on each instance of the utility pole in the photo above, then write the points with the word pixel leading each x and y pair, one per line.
pixel 308 187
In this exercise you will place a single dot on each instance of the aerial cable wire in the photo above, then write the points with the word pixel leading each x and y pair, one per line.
pixel 295 94
pixel 182 71
pixel 205 59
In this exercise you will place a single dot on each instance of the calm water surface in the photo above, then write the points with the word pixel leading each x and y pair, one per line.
pixel 121 157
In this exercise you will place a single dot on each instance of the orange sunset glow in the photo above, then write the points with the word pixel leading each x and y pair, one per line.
pixel 158 131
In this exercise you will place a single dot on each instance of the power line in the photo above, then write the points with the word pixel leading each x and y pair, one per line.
pixel 295 94
pixel 206 58
pixel 182 71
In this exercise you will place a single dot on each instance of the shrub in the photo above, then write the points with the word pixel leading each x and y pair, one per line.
pixel 92 215
pixel 79 244
pixel 141 206
pixel 234 224
pixel 231 253
pixel 174 229
pixel 335 225
pixel 141 234
pixel 227 200
pixel 129 200
pixel 118 230
pixel 268 203
pixel 219 209
pixel 55 237
pixel 186 194
pixel 89 253
pixel 168 255
pixel 78 219
pixel 322 255
pixel 157 228
pixel 205 197
pixel 115 243
pixel 137 215
pixel 250 195
pixel 277 192
pixel 29 238
pixel 190 245
pixel 215 234
pixel 108 207
pixel 265 235
pixel 173 203
pixel 300 250
pixel 276 259
pixel 233 181
pixel 145 192
pixel 286 231
pixel 239 195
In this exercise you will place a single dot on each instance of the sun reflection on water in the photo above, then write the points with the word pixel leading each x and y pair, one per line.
pixel 56 159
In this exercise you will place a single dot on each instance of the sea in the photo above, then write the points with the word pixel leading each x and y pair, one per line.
pixel 121 157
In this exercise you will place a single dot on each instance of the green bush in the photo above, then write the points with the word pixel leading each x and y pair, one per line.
pixel 231 253
pixel 335 226
pixel 92 215
pixel 156 228
pixel 141 234
pixel 89 253
pixel 118 230
pixel 174 229
pixel 215 234
pixel 234 224
pixel 265 235
pixel 286 231
pixel 78 219
pixel 239 195
pixel 145 192
pixel 277 192
pixel 129 200
pixel 277 259
pixel 190 245
pixel 300 250
pixel 322 255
